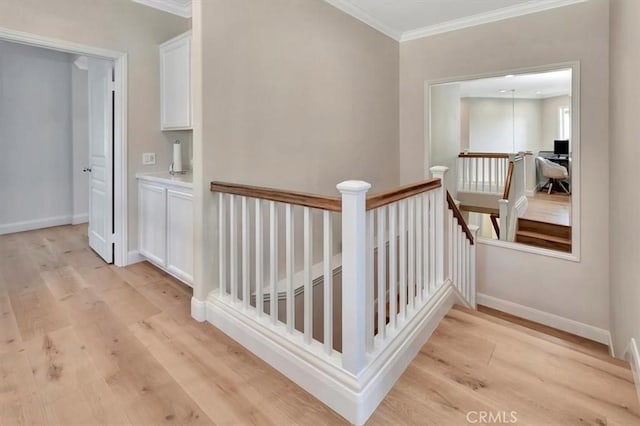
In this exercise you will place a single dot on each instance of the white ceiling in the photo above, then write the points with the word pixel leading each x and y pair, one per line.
pixel 410 19
pixel 529 86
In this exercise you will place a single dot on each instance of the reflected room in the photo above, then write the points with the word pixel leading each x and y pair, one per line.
pixel 508 145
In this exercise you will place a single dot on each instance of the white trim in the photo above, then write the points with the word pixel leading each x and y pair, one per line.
pixel 351 9
pixel 80 218
pixel 30 225
pixel 561 323
pixel 134 256
pixel 175 7
pixel 485 18
pixel 612 350
pixel 355 398
pixel 198 310
pixel 632 355
pixel 120 122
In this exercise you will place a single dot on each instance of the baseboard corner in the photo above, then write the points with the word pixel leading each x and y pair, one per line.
pixel 632 355
pixel 198 310
pixel 134 256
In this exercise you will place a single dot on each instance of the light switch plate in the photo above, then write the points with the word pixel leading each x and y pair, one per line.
pixel 149 158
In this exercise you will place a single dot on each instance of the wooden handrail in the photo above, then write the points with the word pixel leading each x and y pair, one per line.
pixel 333 204
pixel 458 215
pixel 507 184
pixel 322 202
pixel 483 155
pixel 384 198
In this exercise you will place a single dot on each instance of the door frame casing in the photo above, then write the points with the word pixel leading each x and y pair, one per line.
pixel 121 238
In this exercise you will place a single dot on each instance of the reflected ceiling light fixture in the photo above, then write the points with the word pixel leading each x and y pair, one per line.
pixel 503 91
pixel 509 76
pixel 513 118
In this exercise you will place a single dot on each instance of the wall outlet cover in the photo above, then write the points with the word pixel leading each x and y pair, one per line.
pixel 149 158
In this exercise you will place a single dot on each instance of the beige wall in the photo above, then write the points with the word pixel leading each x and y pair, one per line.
pixel 578 291
pixel 624 198
pixel 123 26
pixel 296 95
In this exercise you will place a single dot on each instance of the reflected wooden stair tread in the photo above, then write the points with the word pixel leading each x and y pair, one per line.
pixel 544 240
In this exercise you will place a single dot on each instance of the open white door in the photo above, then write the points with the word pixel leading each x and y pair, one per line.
pixel 101 157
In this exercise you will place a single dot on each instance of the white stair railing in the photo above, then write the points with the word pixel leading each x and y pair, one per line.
pixel 338 283
pixel 482 172
pixel 514 200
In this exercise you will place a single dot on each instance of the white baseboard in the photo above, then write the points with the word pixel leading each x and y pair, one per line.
pixel 30 225
pixel 633 357
pixel 134 256
pixel 80 218
pixel 355 398
pixel 198 310
pixel 561 323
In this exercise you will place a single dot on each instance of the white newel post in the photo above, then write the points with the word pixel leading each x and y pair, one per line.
pixel 354 284
pixel 504 219
pixel 441 206
pixel 472 266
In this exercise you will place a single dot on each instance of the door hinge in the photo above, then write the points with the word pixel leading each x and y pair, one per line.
pixel 113 238
pixel 112 86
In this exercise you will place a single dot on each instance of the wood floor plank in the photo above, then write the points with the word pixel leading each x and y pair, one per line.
pixel 36 312
pixel 59 363
pixel 86 343
pixel 91 403
pixel 9 333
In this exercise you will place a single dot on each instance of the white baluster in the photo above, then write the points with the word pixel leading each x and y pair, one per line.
pixel 273 261
pixel 328 282
pixel 411 281
pixel 222 241
pixel 475 167
pixel 370 274
pixel 403 258
pixel 472 266
pixel 382 273
pixel 460 259
pixel 450 242
pixel 491 175
pixel 432 242
pixel 454 275
pixel 290 265
pixel 259 259
pixel 426 256
pixel 419 244
pixel 353 272
pixel 233 247
pixel 308 278
pixel 245 254
pixel 441 203
pixel 393 258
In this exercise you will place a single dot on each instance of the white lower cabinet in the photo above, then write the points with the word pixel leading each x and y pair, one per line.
pixel 180 234
pixel 165 224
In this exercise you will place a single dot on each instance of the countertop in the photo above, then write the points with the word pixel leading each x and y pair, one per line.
pixel 182 180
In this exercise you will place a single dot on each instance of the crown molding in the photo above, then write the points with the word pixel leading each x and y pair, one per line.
pixel 361 15
pixel 488 17
pixel 177 7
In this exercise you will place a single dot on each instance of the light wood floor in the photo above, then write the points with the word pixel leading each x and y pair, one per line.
pixel 549 208
pixel 84 343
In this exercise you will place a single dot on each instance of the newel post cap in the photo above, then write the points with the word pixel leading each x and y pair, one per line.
pixel 439 170
pixel 353 186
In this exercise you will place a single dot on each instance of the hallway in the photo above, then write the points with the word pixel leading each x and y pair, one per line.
pixel 82 342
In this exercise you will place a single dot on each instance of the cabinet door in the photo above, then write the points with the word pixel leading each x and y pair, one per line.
pixel 180 235
pixel 152 222
pixel 175 83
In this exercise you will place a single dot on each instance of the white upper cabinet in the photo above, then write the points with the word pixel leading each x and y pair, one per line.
pixel 175 83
